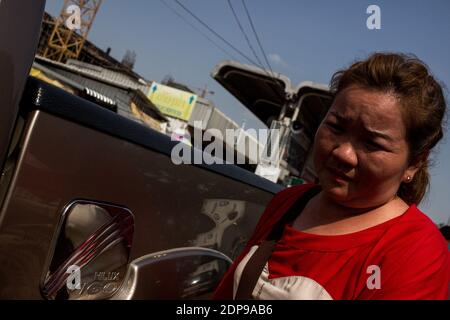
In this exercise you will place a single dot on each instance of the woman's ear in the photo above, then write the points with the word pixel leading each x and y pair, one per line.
pixel 420 161
pixel 408 176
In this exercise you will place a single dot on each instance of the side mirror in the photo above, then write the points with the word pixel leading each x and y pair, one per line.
pixel 182 273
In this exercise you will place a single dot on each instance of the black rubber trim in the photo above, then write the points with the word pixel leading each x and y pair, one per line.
pixel 39 95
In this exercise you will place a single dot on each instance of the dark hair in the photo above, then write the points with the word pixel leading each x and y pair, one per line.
pixel 445 231
pixel 423 106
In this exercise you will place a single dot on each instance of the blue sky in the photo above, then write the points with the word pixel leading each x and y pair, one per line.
pixel 306 40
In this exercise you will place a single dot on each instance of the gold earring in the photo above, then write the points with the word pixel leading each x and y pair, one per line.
pixel 408 178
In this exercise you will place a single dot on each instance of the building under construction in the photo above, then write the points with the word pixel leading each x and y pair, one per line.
pixel 89 52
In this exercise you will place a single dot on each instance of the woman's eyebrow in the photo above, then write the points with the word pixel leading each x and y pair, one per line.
pixel 376 133
pixel 373 133
pixel 338 116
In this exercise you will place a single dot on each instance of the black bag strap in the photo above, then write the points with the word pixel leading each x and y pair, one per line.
pixel 255 265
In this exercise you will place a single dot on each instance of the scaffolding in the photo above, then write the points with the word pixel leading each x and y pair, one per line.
pixel 64 42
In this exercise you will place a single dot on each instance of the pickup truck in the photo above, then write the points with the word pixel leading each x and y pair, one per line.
pixel 91 205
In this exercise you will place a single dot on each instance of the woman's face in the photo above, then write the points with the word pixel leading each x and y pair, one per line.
pixel 360 151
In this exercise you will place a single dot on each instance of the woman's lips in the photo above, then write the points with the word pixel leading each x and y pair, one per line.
pixel 338 175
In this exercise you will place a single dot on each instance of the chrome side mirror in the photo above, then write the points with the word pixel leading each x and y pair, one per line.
pixel 90 253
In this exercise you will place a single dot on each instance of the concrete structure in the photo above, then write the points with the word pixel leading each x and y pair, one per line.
pixel 120 93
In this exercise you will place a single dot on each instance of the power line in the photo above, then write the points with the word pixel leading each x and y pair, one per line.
pixel 277 93
pixel 214 32
pixel 256 35
pixel 245 34
pixel 198 30
pixel 261 65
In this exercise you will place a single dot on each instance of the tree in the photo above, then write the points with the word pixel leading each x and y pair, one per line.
pixel 168 79
pixel 129 59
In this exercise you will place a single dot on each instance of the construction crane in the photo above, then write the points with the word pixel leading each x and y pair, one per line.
pixel 66 41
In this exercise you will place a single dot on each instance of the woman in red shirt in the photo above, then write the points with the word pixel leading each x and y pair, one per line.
pixel 358 234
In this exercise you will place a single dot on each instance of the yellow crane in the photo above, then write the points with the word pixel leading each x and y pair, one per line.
pixel 68 37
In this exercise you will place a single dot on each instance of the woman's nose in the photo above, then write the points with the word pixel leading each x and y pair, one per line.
pixel 345 154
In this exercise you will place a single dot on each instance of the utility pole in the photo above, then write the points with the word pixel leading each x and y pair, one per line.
pixel 205 91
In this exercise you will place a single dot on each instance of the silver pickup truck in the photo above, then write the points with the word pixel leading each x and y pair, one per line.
pixel 92 207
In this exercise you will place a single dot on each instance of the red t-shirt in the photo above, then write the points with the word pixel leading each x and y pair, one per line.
pixel 403 258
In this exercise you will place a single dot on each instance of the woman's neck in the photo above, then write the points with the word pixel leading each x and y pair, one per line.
pixel 329 208
pixel 324 216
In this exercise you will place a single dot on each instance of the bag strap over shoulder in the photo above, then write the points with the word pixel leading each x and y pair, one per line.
pixel 256 263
